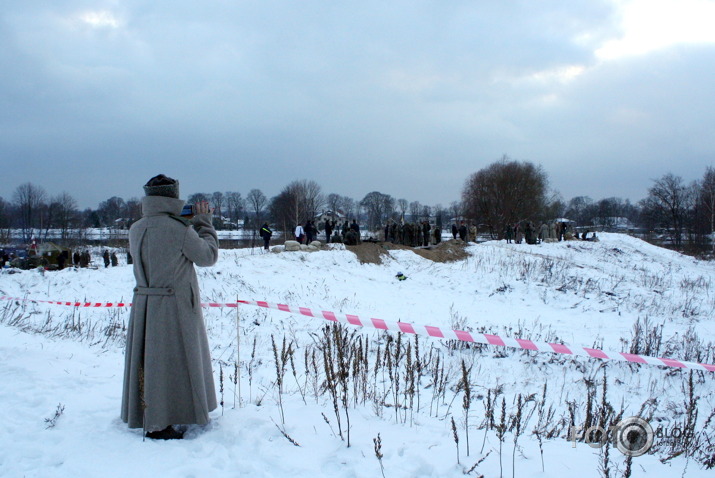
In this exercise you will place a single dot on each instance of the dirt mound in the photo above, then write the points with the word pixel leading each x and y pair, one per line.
pixel 368 252
pixel 447 251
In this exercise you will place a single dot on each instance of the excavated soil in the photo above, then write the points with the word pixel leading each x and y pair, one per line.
pixel 373 252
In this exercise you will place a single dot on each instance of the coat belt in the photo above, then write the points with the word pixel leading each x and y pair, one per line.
pixel 154 291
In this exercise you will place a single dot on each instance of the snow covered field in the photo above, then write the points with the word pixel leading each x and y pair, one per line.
pixel 61 368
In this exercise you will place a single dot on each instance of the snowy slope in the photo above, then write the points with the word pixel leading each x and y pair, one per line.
pixel 579 293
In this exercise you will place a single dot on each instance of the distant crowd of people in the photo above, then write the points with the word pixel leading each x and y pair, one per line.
pixel 413 234
pixel 423 234
pixel 81 259
pixel 307 232
pixel 554 231
pixel 63 259
pixel 110 258
pixel 347 233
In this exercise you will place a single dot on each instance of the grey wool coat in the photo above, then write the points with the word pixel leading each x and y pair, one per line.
pixel 168 378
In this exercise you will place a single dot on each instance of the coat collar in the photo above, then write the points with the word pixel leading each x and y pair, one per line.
pixel 160 205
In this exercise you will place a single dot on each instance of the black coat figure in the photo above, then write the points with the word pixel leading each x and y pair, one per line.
pixel 463 231
pixel 329 226
pixel 266 234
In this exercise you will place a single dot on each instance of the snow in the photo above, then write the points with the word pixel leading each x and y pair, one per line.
pixel 581 293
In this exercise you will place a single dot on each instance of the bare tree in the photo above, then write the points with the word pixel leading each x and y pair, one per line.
pixel 415 210
pixel 505 192
pixel 607 212
pixel 297 210
pixel 4 221
pixel 456 209
pixel 668 205
pixel 341 204
pixel 707 200
pixel 134 211
pixel 554 207
pixel 349 207
pixel 402 204
pixel 578 210
pixel 257 203
pixel 440 215
pixel 28 199
pixel 281 211
pixel 197 198
pixel 48 212
pixel 379 208
pixel 65 211
pixel 112 209
pixel 334 203
pixel 298 202
pixel 218 200
pixel 314 199
pixel 235 205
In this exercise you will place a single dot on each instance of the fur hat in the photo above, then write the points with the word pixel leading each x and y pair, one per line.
pixel 162 186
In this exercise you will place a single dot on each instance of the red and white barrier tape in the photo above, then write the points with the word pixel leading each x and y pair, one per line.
pixel 430 331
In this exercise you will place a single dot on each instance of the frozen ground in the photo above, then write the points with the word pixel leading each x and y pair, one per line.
pixel 593 294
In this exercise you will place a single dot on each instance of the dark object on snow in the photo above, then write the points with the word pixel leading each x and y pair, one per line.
pixel 351 238
pixel 84 259
pixel 401 276
pixel 27 263
pixel 463 231
pixel 266 234
pixel 168 433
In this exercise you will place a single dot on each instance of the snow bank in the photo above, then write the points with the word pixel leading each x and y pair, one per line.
pixel 577 292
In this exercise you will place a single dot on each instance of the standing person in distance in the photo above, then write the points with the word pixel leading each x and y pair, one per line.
pixel 329 226
pixel 168 379
pixel 299 233
pixel 310 231
pixel 266 234
pixel 463 231
pixel 354 226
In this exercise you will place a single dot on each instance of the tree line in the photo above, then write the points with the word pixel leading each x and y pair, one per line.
pixel 508 192
pixel 500 195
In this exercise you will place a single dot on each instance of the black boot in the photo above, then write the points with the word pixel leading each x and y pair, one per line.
pixel 168 433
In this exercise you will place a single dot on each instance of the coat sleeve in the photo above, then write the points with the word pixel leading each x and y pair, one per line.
pixel 201 242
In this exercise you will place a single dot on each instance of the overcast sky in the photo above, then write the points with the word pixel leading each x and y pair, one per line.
pixel 403 97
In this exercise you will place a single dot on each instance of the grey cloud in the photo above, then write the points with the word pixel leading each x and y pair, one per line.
pixel 403 97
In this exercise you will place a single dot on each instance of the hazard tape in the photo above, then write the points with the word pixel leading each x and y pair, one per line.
pixel 429 331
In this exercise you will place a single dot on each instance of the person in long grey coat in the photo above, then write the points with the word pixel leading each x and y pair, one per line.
pixel 168 379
